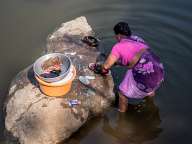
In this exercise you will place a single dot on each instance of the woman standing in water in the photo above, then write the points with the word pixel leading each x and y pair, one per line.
pixel 145 72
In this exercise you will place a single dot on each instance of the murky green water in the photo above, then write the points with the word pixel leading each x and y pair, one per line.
pixel 164 24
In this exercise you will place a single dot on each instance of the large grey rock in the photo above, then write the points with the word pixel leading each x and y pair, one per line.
pixel 35 118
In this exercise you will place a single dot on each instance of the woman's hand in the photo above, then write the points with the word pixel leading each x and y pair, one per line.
pixel 98 69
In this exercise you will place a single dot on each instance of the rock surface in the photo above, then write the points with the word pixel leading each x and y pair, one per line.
pixel 34 118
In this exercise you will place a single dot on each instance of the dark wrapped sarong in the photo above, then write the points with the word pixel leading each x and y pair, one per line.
pixel 144 78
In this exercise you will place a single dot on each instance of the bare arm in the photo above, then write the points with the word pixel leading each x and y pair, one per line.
pixel 111 59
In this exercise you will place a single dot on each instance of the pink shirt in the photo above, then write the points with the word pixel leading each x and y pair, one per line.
pixel 126 49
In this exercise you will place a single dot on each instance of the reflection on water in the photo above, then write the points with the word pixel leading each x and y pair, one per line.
pixel 132 127
pixel 135 127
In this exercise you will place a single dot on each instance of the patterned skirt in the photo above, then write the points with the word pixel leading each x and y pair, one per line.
pixel 145 77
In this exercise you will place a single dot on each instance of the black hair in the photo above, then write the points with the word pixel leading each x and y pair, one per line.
pixel 122 28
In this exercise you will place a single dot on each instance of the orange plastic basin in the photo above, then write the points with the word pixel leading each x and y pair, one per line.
pixel 57 88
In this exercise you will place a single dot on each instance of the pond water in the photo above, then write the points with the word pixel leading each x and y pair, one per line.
pixel 164 24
